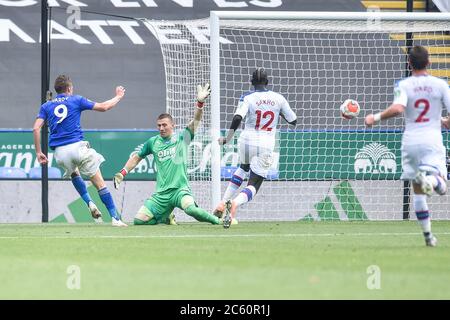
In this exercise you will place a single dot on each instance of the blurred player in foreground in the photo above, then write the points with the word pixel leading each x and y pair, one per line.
pixel 421 97
pixel 169 150
pixel 262 109
pixel 72 153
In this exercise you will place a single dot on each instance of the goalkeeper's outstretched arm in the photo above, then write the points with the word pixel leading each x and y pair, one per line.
pixel 202 94
pixel 130 165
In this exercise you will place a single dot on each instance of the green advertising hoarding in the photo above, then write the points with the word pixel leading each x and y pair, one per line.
pixel 302 155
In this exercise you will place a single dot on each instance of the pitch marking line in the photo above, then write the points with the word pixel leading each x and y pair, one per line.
pixel 193 236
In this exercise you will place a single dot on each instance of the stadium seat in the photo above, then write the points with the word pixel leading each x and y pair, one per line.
pixel 227 172
pixel 36 173
pixel 11 172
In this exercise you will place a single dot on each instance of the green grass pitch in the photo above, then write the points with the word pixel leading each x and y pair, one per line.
pixel 252 260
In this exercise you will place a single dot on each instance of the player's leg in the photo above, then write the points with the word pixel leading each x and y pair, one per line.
pixel 189 206
pixel 157 209
pixel 412 161
pixel 99 183
pixel 259 167
pixel 247 194
pixel 432 170
pixel 67 158
pixel 89 165
pixel 81 188
pixel 236 180
pixel 144 217
pixel 423 214
pixel 235 183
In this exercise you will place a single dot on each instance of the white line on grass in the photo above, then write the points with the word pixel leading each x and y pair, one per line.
pixel 193 236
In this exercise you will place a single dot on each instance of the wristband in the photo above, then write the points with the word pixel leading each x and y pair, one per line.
pixel 199 105
pixel 124 172
pixel 377 117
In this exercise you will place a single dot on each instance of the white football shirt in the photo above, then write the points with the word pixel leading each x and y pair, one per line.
pixel 424 97
pixel 261 110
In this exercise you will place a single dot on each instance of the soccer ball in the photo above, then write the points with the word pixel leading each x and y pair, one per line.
pixel 350 109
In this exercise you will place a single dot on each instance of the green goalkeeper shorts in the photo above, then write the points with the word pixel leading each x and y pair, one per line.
pixel 161 204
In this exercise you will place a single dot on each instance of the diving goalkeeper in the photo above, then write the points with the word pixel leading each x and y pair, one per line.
pixel 172 187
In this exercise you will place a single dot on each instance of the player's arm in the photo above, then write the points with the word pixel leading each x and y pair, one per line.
pixel 108 104
pixel 294 122
pixel 288 114
pixel 233 127
pixel 202 94
pixel 446 100
pixel 132 162
pixel 395 109
pixel 240 113
pixel 37 140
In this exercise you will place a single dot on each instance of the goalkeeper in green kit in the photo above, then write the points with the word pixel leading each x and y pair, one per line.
pixel 169 150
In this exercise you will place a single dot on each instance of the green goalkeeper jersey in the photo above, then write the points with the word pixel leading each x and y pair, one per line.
pixel 170 156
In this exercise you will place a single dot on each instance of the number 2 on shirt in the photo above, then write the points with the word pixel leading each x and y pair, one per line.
pixel 267 114
pixel 426 107
pixel 61 112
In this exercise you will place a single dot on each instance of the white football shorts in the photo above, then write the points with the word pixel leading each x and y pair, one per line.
pixel 425 157
pixel 78 155
pixel 259 158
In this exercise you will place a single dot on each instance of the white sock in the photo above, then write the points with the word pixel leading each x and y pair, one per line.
pixel 422 213
pixel 245 195
pixel 235 183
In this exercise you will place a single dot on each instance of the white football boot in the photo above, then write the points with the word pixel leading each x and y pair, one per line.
pixel 118 223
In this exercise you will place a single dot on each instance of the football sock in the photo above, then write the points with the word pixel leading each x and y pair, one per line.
pixel 236 180
pixel 107 199
pixel 201 215
pixel 245 195
pixel 422 213
pixel 80 186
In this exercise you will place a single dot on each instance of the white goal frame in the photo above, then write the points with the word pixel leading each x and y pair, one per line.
pixel 217 16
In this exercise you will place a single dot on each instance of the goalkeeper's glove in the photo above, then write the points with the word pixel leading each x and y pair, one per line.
pixel 118 177
pixel 202 94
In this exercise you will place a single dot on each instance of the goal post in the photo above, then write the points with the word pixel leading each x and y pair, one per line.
pixel 327 167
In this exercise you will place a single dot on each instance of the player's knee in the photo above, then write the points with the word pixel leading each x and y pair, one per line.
pixel 186 202
pixel 143 216
pixel 255 180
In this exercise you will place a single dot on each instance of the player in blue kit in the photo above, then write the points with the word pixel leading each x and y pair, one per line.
pixel 72 153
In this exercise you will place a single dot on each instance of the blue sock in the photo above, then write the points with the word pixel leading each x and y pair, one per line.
pixel 107 199
pixel 80 186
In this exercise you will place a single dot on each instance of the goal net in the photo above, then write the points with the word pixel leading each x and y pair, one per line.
pixel 326 167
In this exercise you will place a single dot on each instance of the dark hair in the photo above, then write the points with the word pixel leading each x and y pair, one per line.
pixel 418 58
pixel 62 83
pixel 259 76
pixel 164 116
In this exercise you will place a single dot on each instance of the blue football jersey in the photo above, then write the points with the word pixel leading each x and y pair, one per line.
pixel 63 117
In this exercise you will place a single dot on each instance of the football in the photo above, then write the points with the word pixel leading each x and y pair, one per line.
pixel 350 109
